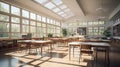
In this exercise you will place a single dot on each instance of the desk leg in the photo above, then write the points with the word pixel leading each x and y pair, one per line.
pixel 69 52
pixel 107 57
pixel 51 47
pixel 41 49
pixel 73 51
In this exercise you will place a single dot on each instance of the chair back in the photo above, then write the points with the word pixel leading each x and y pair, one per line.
pixel 85 46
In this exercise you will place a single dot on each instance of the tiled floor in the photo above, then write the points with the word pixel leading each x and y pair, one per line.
pixel 57 58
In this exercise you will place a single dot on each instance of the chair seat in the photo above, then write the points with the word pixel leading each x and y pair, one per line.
pixel 87 51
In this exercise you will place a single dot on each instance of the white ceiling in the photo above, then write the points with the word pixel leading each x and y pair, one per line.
pixel 83 10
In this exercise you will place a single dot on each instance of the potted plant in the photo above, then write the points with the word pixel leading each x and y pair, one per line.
pixel 50 35
pixel 107 34
pixel 64 32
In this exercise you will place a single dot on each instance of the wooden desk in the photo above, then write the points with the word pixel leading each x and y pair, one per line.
pixel 93 44
pixel 40 43
pixel 60 40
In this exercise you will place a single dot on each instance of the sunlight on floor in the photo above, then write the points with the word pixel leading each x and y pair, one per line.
pixel 28 60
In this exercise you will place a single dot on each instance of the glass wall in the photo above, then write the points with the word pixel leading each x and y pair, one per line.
pixel 95 28
pixel 15 21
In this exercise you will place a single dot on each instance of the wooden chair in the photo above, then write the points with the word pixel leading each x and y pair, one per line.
pixel 22 46
pixel 86 49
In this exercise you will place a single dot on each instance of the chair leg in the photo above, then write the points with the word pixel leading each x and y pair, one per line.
pixel 79 58
pixel 96 58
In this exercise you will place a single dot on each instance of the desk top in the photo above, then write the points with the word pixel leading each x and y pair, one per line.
pixel 90 43
pixel 100 40
pixel 35 41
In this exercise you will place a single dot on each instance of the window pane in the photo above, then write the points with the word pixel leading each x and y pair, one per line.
pixel 90 23
pixel 25 28
pixel 15 27
pixel 38 24
pixel 25 13
pixel 32 16
pixel 15 10
pixel 57 31
pixel 101 22
pixel 38 18
pixel 43 30
pixel 4 7
pixel 43 19
pixel 4 27
pixel 33 23
pixel 32 29
pixel 15 35
pixel 43 25
pixel 4 34
pixel 38 29
pixel 24 21
pixel 39 35
pixel 4 17
pixel 15 20
pixel 48 20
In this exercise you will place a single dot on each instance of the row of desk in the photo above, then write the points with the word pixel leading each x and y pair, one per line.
pixel 70 41
pixel 37 43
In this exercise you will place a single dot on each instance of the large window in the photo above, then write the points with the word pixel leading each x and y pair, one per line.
pixel 25 13
pixel 25 21
pixel 38 24
pixel 39 32
pixel 95 31
pixel 25 26
pixel 15 35
pixel 32 16
pixel 15 21
pixel 4 17
pixel 43 19
pixel 38 18
pixel 4 7
pixel 15 28
pixel 4 27
pixel 15 10
pixel 33 23
pixel 33 31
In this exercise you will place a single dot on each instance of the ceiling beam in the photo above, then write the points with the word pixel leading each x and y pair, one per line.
pixel 115 11
pixel 78 2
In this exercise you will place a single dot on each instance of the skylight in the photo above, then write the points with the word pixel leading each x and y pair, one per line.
pixel 63 6
pixel 57 6
pixel 63 15
pixel 66 10
pixel 41 1
pixel 57 2
pixel 50 5
pixel 60 13
pixel 56 10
